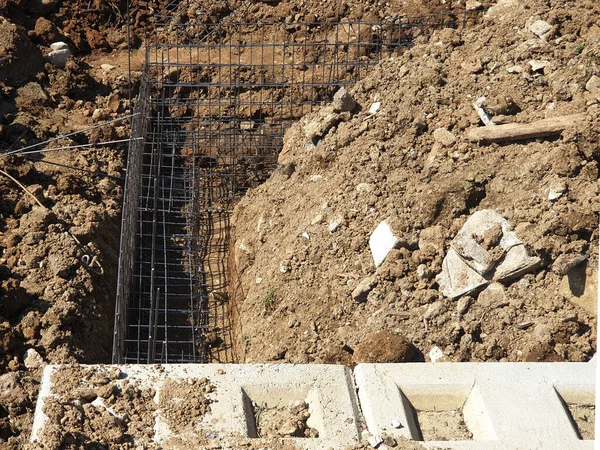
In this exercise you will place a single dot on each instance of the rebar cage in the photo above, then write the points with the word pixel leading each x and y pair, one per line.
pixel 214 103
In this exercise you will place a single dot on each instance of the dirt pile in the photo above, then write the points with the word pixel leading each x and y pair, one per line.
pixel 301 241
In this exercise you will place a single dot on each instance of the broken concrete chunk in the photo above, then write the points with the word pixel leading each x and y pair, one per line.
pixel 321 124
pixel 515 69
pixel 566 262
pixel 436 354
pixel 444 137
pixel 32 359
pixel 382 241
pixel 540 28
pixel 374 108
pixel 361 292
pixel 517 262
pixel 343 101
pixel 483 240
pixel 556 190
pixel 457 277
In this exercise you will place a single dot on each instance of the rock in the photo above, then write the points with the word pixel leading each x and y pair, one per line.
pixel 556 190
pixel 335 224
pixel 382 241
pixel 566 262
pixel 493 296
pixel 20 59
pixel 384 347
pixel 321 124
pixel 374 108
pixel 59 55
pixel 473 5
pixel 32 359
pixel 457 277
pixel 31 97
pixel 433 310
pixel 109 67
pixel 580 287
pixel 473 243
pixel 432 239
pixel 361 292
pixel 462 305
pixel 436 354
pixel 593 85
pixel 343 101
pixel 516 263
pixel 503 10
pixel 59 46
pixel 98 114
pixel 515 69
pixel 540 28
pixel 444 137
pixel 538 64
pixel 374 441
pixel 113 102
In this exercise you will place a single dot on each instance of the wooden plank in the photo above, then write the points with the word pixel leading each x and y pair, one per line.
pixel 517 131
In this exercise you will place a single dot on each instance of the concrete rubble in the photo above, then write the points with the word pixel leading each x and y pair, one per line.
pixel 485 249
pixel 382 241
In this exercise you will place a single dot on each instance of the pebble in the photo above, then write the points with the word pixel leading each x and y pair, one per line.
pixel 334 225
pixel 593 85
pixel 107 67
pixel 538 64
pixel 361 291
pixel 374 108
pixel 540 28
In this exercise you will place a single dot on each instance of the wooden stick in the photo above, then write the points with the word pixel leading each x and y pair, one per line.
pixel 27 191
pixel 516 131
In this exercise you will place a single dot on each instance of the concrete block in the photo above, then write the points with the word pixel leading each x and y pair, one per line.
pixel 328 390
pixel 503 405
pixel 457 277
pixel 382 242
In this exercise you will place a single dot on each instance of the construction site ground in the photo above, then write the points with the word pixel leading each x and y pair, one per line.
pixel 300 242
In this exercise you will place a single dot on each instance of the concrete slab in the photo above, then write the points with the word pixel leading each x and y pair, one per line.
pixel 328 390
pixel 504 405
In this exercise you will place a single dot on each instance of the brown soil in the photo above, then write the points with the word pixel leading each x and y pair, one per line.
pixel 286 421
pixel 294 298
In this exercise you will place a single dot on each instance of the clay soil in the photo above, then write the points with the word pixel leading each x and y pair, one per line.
pixel 59 240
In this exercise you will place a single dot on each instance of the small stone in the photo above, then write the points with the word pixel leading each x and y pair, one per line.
pixel 258 280
pixel 59 46
pixel 444 137
pixel 473 5
pixel 593 85
pixel 59 58
pixel 556 190
pixel 365 187
pixel 492 296
pixel 540 28
pixel 32 359
pixel 515 69
pixel 538 64
pixel 317 219
pixel 374 441
pixel 334 225
pixel 305 235
pixel 462 305
pixel 396 424
pixel 565 262
pixel 361 292
pixel 382 242
pixel 343 101
pixel 374 108
pixel 98 114
pixel 435 354
pixel 113 102
pixel 107 67
pixel 423 272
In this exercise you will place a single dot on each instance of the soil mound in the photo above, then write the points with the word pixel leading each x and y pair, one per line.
pixel 308 288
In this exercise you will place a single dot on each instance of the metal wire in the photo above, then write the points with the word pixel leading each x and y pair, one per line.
pixel 215 102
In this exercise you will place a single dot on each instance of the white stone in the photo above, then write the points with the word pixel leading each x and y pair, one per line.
pixel 382 242
pixel 32 359
pixel 516 263
pixel 515 69
pixel 59 46
pixel 593 85
pixel 556 190
pixel 374 441
pixel 107 67
pixel 305 235
pixel 334 225
pixel 538 64
pixel 435 354
pixel 444 137
pixel 457 277
pixel 374 108
pixel 540 28
pixel 58 58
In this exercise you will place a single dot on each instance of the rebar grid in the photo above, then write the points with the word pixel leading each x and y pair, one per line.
pixel 215 102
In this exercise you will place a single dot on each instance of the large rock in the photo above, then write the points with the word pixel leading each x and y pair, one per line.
pixel 20 60
pixel 385 347
pixel 486 248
